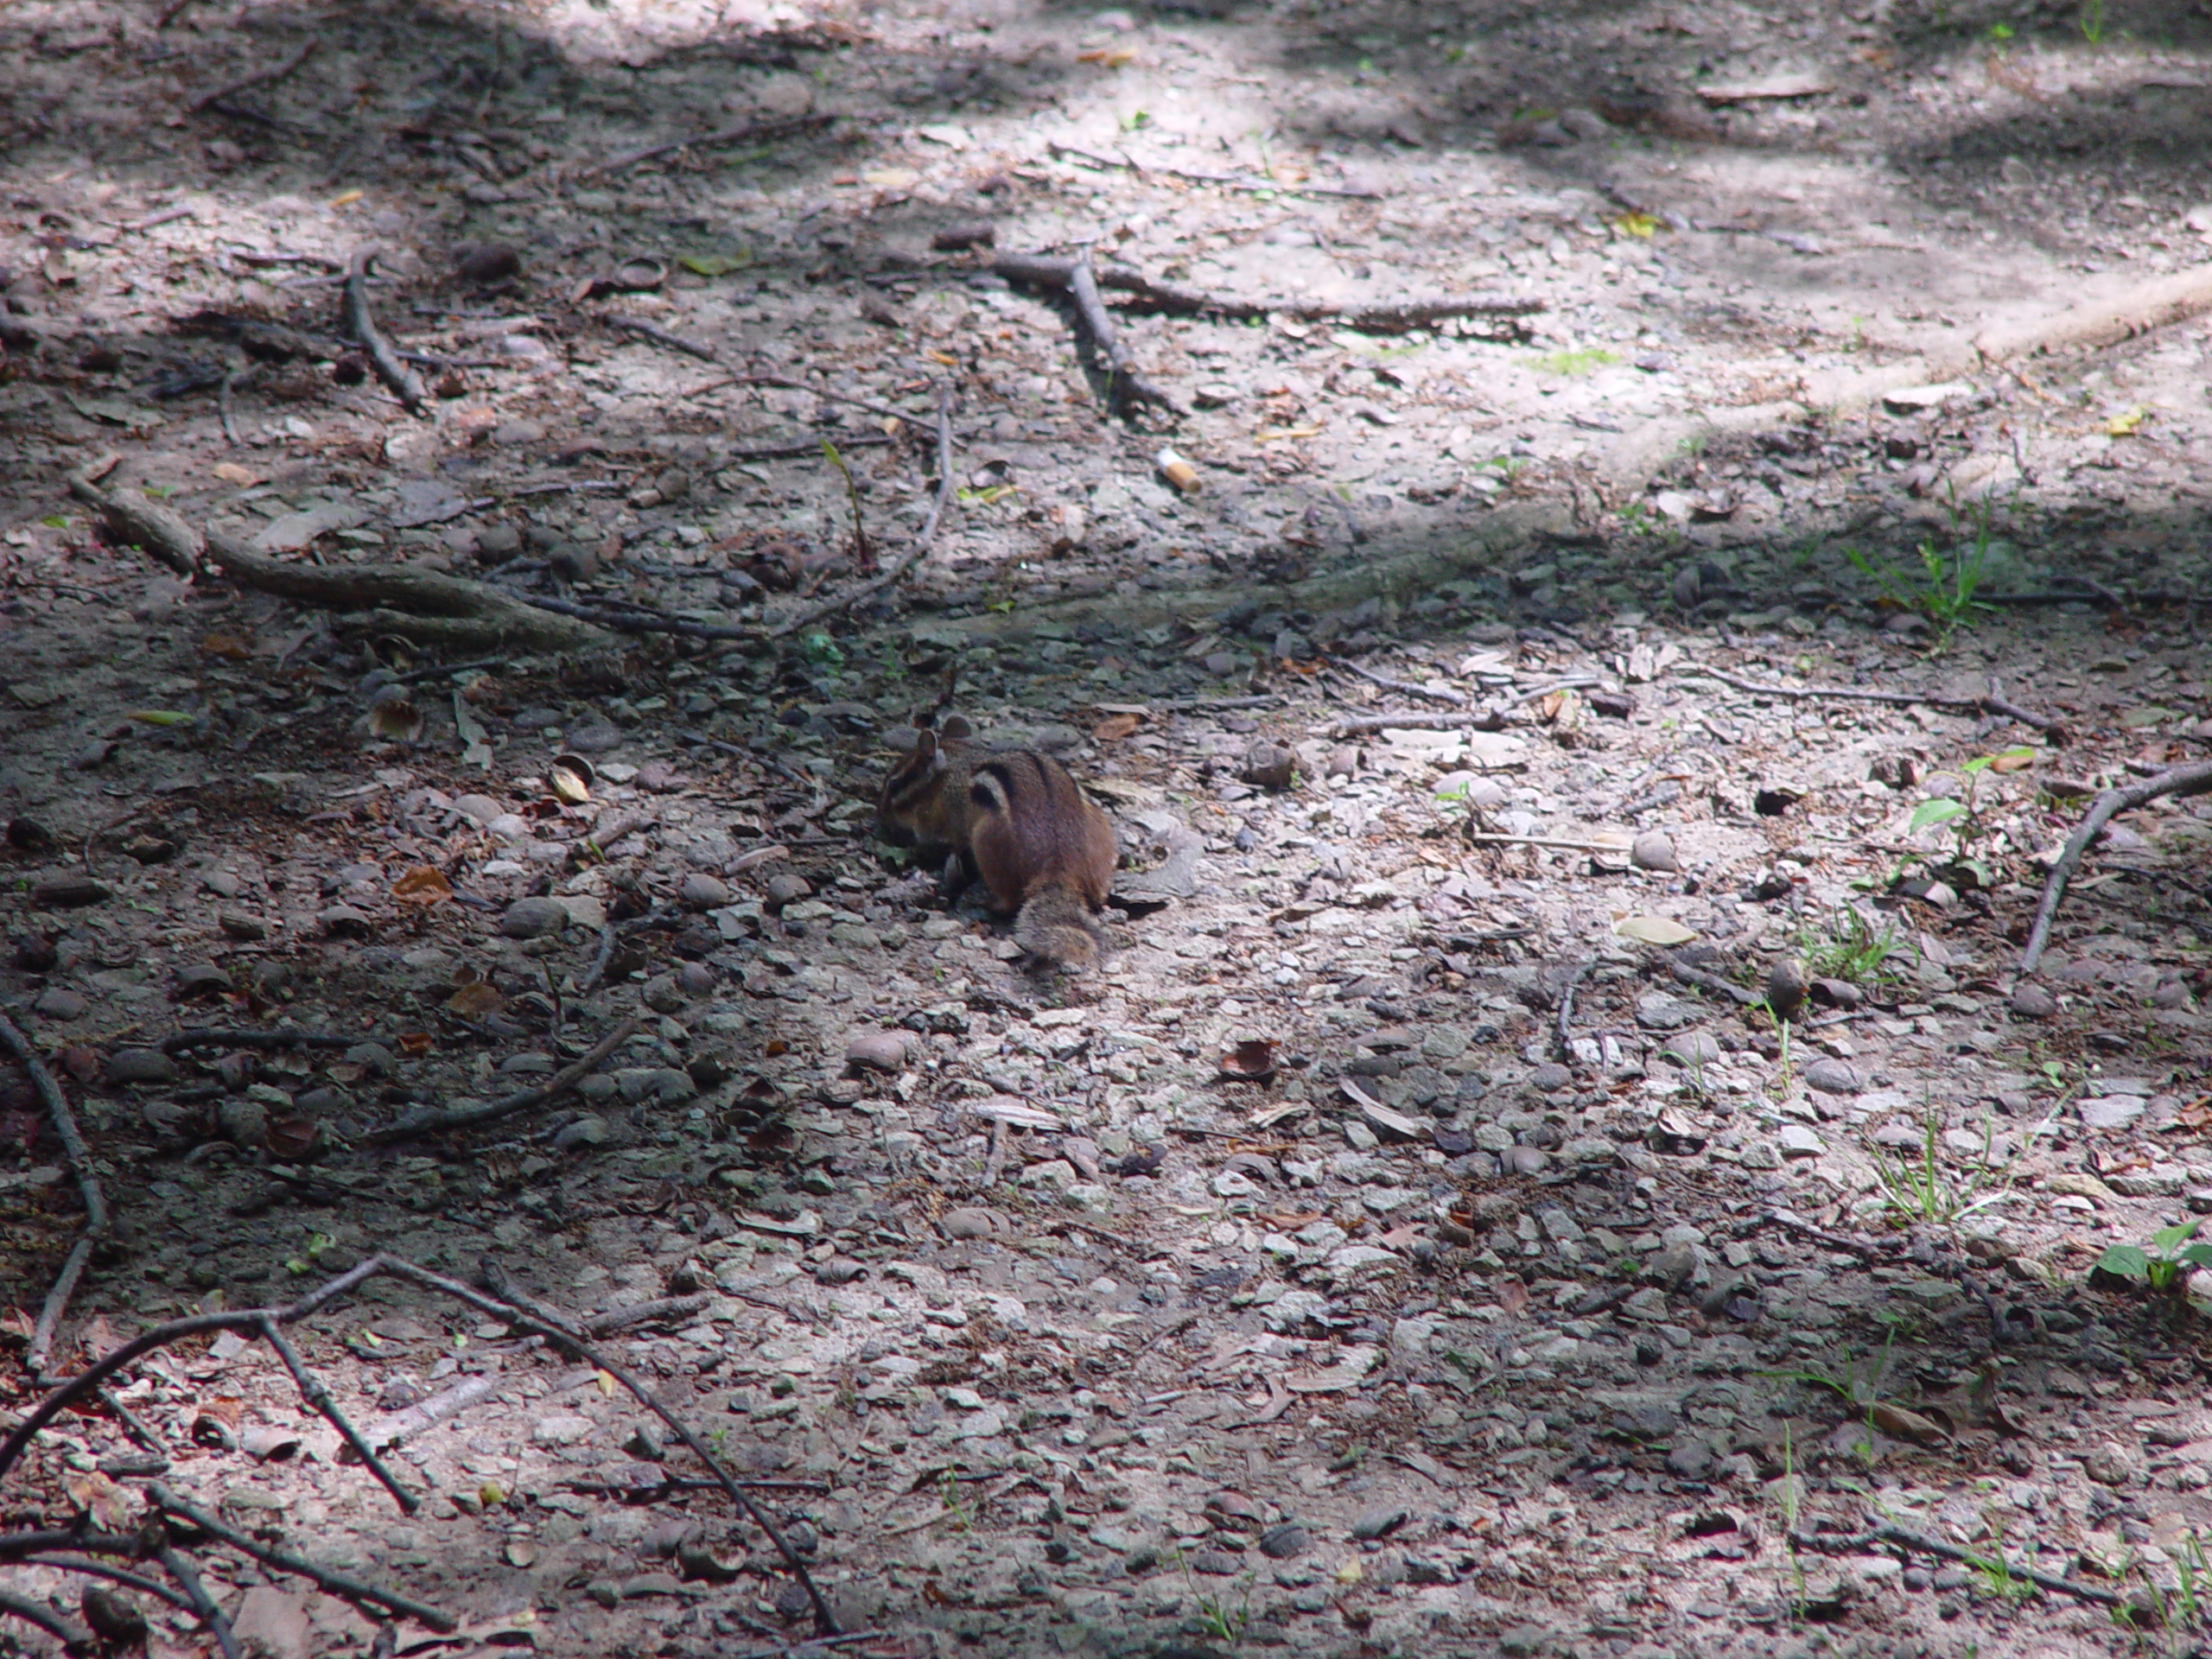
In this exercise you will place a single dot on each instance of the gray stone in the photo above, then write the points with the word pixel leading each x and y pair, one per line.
pixel 1653 851
pixel 141 1066
pixel 1691 1461
pixel 1828 1075
pixel 533 918
pixel 1524 1160
pixel 1549 1077
pixel 1798 1141
pixel 1656 1011
pixel 565 1428
pixel 878 1050
pixel 973 1222
pixel 343 922
pixel 786 888
pixel 2033 1002
pixel 1692 1048
pixel 1379 1522
pixel 703 890
pixel 589 1130
pixel 1284 1543
pixel 2111 1111
pixel 59 1002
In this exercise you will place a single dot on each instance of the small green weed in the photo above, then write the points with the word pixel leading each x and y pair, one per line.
pixel 2161 1263
pixel 1998 1579
pixel 1567 365
pixel 1848 946
pixel 1966 815
pixel 1920 1187
pixel 1944 591
pixel 2091 22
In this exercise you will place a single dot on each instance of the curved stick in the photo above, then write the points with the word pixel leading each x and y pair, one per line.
pixel 88 1188
pixel 2195 779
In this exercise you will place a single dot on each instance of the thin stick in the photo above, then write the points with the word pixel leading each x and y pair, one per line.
pixel 751 132
pixel 1488 720
pixel 67 1392
pixel 1499 838
pixel 1441 694
pixel 173 1562
pixel 312 1390
pixel 1375 319
pixel 1075 278
pixel 914 556
pixel 91 1569
pixel 825 1620
pixel 1218 181
pixel 459 1117
pixel 32 1610
pixel 337 1583
pixel 79 1158
pixel 1567 1005
pixel 258 78
pixel 406 384
pixel 994 1161
pixel 1714 983
pixel 1834 1544
pixel 1993 703
pixel 222 1037
pixel 666 1308
pixel 429 1413
pixel 598 962
pixel 2193 779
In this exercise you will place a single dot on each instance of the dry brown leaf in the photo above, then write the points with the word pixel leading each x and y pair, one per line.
pixel 1114 728
pixel 475 1000
pixel 425 884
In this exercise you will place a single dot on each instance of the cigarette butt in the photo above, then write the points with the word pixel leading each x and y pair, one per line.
pixel 1177 471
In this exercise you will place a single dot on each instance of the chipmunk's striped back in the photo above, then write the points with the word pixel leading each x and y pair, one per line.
pixel 1018 823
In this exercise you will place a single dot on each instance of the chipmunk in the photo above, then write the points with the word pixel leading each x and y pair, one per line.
pixel 1015 821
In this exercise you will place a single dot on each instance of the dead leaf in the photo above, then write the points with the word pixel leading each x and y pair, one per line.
pixel 1653 930
pixel 476 742
pixel 98 1497
pixel 1109 57
pixel 229 647
pixel 1250 1061
pixel 425 884
pixel 1512 1295
pixel 1114 728
pixel 1896 1422
pixel 243 478
pixel 476 999
pixel 414 1043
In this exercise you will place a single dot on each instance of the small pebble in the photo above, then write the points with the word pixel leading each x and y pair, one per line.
pixel 878 1050
pixel 58 1003
pixel 141 1066
pixel 2033 1002
pixel 1653 851
pixel 343 922
pixel 1269 765
pixel 1786 985
pixel 703 892
pixel 1833 1077
pixel 786 889
pixel 532 918
pixel 969 1223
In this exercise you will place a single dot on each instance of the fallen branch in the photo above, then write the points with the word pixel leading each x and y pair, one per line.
pixel 131 520
pixel 1440 694
pixel 1218 181
pixel 268 77
pixel 1993 701
pixel 406 384
pixel 1373 319
pixel 2137 310
pixel 79 1158
pixel 254 1322
pixel 312 1390
pixel 323 1578
pixel 914 556
pixel 1076 278
pixel 1713 983
pixel 1487 720
pixel 463 1117
pixel 1827 1543
pixel 204 1605
pixel 1564 1032
pixel 211 1037
pixel 2193 779
pixel 751 132
pixel 427 606
pixel 32 1610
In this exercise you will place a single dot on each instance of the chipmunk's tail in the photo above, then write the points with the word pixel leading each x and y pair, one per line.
pixel 1055 926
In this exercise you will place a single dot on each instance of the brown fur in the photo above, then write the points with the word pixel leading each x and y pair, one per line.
pixel 1016 821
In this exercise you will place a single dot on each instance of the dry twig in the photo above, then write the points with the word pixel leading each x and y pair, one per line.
pixel 2193 779
pixel 406 384
pixel 88 1188
pixel 914 556
pixel 267 77
pixel 463 1117
pixel 1076 279
pixel 750 133
pixel 1372 319
pixel 1829 1543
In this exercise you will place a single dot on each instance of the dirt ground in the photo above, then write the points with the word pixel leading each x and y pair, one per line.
pixel 1422 1237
